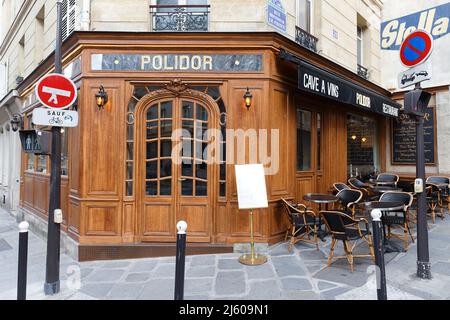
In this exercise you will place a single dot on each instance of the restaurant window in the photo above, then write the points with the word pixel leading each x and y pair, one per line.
pixel 362 147
pixel 303 140
pixel 30 156
pixel 41 165
pixel 304 14
pixel 319 137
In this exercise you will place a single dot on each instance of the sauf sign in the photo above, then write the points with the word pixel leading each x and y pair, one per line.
pixel 434 20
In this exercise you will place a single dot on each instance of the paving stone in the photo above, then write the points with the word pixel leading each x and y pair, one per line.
pixel 143 265
pixel 264 290
pixel 263 271
pixel 158 289
pixel 313 268
pixel 137 277
pixel 164 270
pixel 322 285
pixel 299 295
pixel 230 282
pixel 280 250
pixel 288 266
pixel 331 294
pixel 125 291
pixel 313 255
pixel 296 284
pixel 332 274
pixel 203 260
pixel 97 290
pixel 198 286
pixel 230 264
pixel 105 275
pixel 115 264
pixel 199 272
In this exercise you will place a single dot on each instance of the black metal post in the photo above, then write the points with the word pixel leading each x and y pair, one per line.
pixel 52 283
pixel 379 254
pixel 23 261
pixel 423 255
pixel 179 262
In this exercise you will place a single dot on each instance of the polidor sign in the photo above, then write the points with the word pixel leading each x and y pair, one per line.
pixel 434 20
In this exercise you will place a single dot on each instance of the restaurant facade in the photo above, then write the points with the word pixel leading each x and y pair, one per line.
pixel 311 121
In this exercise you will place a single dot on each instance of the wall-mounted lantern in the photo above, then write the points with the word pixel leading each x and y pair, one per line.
pixel 101 98
pixel 16 122
pixel 248 99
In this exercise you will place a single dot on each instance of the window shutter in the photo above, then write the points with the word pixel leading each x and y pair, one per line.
pixel 68 11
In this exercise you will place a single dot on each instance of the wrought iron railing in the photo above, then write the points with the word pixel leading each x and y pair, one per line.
pixel 363 72
pixel 176 18
pixel 305 39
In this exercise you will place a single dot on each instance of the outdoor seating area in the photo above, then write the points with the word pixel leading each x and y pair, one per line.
pixel 345 213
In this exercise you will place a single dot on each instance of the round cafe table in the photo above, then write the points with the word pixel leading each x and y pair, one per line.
pixel 383 206
pixel 322 200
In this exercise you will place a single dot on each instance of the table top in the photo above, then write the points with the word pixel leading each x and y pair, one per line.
pixel 382 205
pixel 320 198
pixel 382 189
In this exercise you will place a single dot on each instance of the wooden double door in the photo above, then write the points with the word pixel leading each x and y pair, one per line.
pixel 176 173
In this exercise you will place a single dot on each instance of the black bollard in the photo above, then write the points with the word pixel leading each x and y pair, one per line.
pixel 379 254
pixel 23 260
pixel 180 258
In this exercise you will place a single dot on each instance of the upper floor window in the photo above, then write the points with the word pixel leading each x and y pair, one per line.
pixel 304 8
pixel 360 46
pixel 68 18
pixel 179 15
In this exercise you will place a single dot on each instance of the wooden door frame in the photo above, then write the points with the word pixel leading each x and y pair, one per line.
pixel 172 91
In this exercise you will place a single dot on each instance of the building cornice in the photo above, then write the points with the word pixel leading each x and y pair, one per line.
pixel 15 26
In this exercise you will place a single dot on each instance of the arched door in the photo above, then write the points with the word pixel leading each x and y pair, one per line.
pixel 177 177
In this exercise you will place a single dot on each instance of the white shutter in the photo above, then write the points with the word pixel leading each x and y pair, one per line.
pixel 68 11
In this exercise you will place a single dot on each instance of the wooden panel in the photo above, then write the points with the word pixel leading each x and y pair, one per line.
pixel 64 199
pixel 103 142
pixel 157 220
pixel 75 158
pixel 28 190
pixel 305 184
pixel 240 221
pixel 278 219
pixel 197 218
pixel 74 217
pixel 40 193
pixel 102 219
pixel 128 219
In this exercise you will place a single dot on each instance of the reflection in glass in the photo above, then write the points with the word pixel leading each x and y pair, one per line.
pixel 152 130
pixel 165 168
pixel 303 140
pixel 152 150
pixel 189 126
pixel 186 187
pixel 202 113
pixel 201 170
pixel 129 170
pixel 166 128
pixel 188 110
pixel 129 188
pixel 165 187
pixel 200 188
pixel 152 112
pixel 152 170
pixel 186 169
pixel 151 188
pixel 166 109
pixel 166 148
pixel 129 150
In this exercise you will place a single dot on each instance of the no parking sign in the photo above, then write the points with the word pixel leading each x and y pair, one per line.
pixel 416 48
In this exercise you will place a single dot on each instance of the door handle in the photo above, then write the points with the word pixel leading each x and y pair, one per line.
pixel 181 179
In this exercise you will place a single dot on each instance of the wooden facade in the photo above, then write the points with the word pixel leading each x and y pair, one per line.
pixel 106 203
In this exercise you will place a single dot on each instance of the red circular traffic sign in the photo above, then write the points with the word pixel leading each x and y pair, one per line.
pixel 56 91
pixel 416 48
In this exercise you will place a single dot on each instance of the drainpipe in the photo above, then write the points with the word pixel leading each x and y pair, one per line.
pixel 85 15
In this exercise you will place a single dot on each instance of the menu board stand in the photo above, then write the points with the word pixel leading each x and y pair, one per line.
pixel 251 190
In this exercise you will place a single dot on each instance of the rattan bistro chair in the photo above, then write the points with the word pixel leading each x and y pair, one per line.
pixel 433 200
pixel 387 179
pixel 338 186
pixel 303 224
pixel 343 227
pixel 444 194
pixel 348 199
pixel 359 185
pixel 400 219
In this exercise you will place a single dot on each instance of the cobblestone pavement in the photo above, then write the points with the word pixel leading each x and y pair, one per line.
pixel 302 274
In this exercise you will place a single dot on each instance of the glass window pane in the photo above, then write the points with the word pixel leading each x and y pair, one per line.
pixel 186 187
pixel 129 188
pixel 130 151
pixel 303 140
pixel 186 169
pixel 166 128
pixel 152 130
pixel 41 164
pixel 64 153
pixel 165 187
pixel 223 168
pixel 188 148
pixel 130 132
pixel 200 188
pixel 202 113
pixel 152 170
pixel 222 189
pixel 304 14
pixel 129 170
pixel 165 168
pixel 201 170
pixel 152 150
pixel 187 110
pixel 151 188
pixel 30 164
pixel 152 112
pixel 166 148
pixel 166 109
pixel 189 126
pixel 201 131
pixel 319 137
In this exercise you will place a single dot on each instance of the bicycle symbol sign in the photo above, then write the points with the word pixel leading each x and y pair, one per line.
pixel 56 118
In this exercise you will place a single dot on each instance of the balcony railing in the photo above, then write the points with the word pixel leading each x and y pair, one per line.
pixel 305 39
pixel 363 72
pixel 176 18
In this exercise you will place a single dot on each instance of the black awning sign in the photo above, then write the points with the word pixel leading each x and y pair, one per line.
pixel 321 82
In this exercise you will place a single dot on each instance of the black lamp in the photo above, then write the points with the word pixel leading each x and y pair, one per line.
pixel 16 122
pixel 101 98
pixel 248 99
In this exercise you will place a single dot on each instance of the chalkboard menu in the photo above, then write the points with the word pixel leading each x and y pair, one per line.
pixel 404 138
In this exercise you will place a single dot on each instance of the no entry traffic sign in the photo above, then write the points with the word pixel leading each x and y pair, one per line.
pixel 416 48
pixel 56 91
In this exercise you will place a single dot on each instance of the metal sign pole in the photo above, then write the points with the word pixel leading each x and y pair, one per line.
pixel 379 254
pixel 423 256
pixel 52 282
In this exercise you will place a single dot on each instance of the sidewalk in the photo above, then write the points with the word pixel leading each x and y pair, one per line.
pixel 300 275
